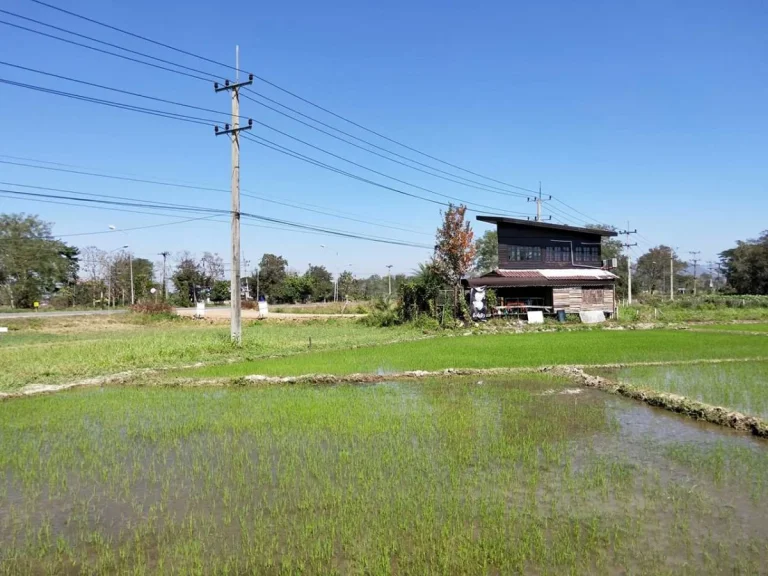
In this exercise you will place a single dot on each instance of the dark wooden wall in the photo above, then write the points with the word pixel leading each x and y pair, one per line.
pixel 514 235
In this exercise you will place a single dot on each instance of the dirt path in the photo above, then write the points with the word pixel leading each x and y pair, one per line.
pixel 223 314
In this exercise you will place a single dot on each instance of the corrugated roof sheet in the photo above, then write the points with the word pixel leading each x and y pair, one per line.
pixel 556 274
pixel 519 273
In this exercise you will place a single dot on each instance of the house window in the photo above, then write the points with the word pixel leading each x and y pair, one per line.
pixel 593 296
pixel 586 253
pixel 558 254
pixel 524 253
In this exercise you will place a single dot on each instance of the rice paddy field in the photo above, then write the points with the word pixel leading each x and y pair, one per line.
pixel 741 327
pixel 740 386
pixel 55 351
pixel 506 350
pixel 462 476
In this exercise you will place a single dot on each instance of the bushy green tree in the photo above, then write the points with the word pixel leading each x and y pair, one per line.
pixel 297 289
pixel 321 281
pixel 746 266
pixel 33 265
pixel 487 252
pixel 220 291
pixel 270 278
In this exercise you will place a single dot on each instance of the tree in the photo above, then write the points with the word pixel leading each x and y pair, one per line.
pixel 220 291
pixel 188 279
pixel 487 252
pixel 211 268
pixel 297 288
pixel 143 276
pixel 455 249
pixel 94 265
pixel 746 266
pixel 652 271
pixel 347 286
pixel 321 281
pixel 271 277
pixel 33 264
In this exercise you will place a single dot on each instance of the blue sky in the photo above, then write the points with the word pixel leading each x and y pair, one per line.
pixel 649 112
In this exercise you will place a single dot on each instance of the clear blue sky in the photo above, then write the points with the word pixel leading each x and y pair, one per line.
pixel 649 112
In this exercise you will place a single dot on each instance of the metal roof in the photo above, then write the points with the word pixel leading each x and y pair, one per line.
pixel 544 277
pixel 533 224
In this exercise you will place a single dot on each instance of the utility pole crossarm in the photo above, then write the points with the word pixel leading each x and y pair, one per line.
pixel 539 201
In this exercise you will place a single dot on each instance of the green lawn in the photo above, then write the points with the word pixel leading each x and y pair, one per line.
pixel 508 350
pixel 56 352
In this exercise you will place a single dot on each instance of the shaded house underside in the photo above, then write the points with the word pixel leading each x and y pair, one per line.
pixel 570 289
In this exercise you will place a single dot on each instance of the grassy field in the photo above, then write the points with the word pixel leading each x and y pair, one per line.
pixel 740 386
pixel 322 308
pixel 508 350
pixel 61 350
pixel 451 477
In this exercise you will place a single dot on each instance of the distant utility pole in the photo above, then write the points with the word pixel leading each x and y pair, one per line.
pixel 389 278
pixel 672 273
pixel 627 245
pixel 695 267
pixel 164 254
pixel 711 266
pixel 234 132
pixel 539 201
pixel 247 287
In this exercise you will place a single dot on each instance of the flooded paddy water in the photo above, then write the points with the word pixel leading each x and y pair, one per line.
pixel 515 474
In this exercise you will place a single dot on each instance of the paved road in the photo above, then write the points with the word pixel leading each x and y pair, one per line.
pixel 59 313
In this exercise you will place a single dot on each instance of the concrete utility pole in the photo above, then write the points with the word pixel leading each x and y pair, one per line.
pixel 672 273
pixel 164 254
pixel 130 260
pixel 712 278
pixel 247 287
pixel 389 278
pixel 234 131
pixel 539 201
pixel 627 245
pixel 695 267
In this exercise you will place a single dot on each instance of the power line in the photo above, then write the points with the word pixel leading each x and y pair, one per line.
pixel 274 85
pixel 207 189
pixel 100 50
pixel 112 104
pixel 316 162
pixel 466 181
pixel 99 199
pixel 289 152
pixel 298 205
pixel 113 89
pixel 471 184
pixel 589 218
pixel 163 100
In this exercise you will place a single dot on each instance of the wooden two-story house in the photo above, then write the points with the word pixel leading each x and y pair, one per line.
pixel 549 266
